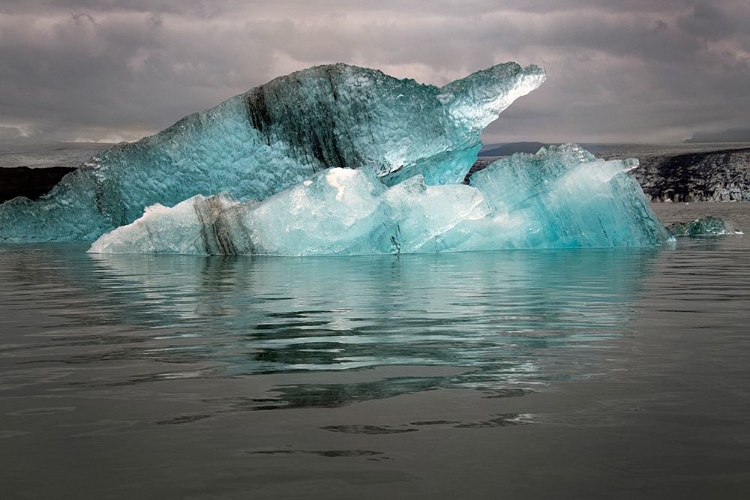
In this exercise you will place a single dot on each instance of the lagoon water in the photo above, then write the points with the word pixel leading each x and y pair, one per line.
pixel 570 374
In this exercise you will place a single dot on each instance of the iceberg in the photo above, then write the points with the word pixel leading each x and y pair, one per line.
pixel 703 226
pixel 562 197
pixel 273 137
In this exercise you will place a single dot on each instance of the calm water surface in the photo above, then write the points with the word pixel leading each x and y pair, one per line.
pixel 575 374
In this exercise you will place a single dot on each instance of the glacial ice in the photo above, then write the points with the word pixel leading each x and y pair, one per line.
pixel 275 136
pixel 703 226
pixel 341 160
pixel 561 197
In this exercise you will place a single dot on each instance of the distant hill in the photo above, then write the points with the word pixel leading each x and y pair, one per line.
pixel 511 148
pixel 731 135
pixel 29 182
pixel 32 169
pixel 721 175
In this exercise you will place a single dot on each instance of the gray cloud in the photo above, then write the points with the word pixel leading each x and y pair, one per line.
pixel 653 70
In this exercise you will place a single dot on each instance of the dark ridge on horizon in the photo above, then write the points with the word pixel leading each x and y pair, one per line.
pixel 33 183
pixel 730 135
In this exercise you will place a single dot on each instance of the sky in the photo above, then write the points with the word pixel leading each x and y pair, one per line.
pixel 618 70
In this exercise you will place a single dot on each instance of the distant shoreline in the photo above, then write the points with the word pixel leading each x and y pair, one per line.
pixel 670 172
pixel 46 155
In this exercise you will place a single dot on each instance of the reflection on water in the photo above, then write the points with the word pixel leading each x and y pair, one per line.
pixel 576 374
pixel 494 320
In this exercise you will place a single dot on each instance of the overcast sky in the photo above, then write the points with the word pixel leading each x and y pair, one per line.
pixel 618 70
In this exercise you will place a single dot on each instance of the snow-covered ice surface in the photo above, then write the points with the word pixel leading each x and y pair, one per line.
pixel 275 136
pixel 562 197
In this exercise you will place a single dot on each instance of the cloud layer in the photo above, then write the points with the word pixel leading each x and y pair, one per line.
pixel 618 71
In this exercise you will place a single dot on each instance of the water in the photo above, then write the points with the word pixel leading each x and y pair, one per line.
pixel 574 374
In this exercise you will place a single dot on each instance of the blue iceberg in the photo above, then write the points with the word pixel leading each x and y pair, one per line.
pixel 562 197
pixel 275 136
pixel 341 160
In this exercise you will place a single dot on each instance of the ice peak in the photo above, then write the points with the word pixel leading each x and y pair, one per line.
pixel 478 99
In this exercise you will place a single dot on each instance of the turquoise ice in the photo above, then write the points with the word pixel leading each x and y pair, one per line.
pixel 562 197
pixel 275 136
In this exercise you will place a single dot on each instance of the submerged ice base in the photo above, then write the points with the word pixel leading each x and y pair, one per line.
pixel 275 136
pixel 703 226
pixel 562 197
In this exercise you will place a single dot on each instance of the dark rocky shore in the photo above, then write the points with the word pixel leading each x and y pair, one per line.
pixel 29 182
pixel 714 176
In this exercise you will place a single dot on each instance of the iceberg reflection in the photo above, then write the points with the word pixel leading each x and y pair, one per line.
pixel 495 319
